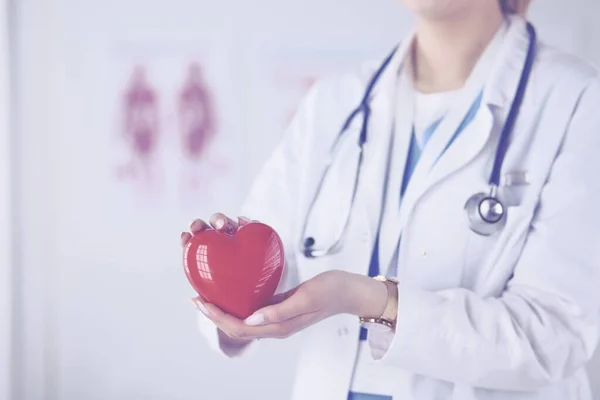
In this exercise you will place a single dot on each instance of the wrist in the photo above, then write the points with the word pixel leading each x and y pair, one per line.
pixel 370 297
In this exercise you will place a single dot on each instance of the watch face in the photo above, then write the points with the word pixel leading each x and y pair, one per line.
pixel 375 327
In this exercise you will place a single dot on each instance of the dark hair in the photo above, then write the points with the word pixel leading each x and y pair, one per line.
pixel 507 7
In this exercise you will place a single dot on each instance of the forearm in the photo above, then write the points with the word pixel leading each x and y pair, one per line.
pixel 521 341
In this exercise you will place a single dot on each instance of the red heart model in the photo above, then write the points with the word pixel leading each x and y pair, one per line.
pixel 238 273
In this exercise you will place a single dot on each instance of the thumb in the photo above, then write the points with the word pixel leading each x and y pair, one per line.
pixel 278 298
pixel 282 307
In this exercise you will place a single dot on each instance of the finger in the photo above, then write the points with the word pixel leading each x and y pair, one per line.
pixel 278 298
pixel 230 325
pixel 284 329
pixel 224 224
pixel 236 329
pixel 199 304
pixel 293 306
pixel 185 237
pixel 243 221
pixel 214 313
pixel 198 226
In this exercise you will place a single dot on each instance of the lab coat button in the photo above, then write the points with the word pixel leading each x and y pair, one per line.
pixel 423 252
pixel 342 331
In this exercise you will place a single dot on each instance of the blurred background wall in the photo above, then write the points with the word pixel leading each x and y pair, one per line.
pixel 5 212
pixel 99 300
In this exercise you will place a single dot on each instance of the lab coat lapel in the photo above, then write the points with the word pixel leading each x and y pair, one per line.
pixel 503 82
pixel 467 146
pixel 400 148
pixel 434 166
pixel 378 147
pixel 445 153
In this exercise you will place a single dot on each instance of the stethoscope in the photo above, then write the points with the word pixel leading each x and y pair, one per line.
pixel 486 214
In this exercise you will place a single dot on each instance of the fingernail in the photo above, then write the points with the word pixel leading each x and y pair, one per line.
pixel 182 234
pixel 255 319
pixel 219 223
pixel 199 306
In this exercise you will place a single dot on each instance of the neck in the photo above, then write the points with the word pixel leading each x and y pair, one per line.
pixel 446 51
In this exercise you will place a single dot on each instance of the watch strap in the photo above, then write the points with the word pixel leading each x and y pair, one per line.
pixel 390 313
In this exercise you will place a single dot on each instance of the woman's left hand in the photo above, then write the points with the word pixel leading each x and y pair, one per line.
pixel 328 294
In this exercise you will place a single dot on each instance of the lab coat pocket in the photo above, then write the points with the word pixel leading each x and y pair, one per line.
pixel 490 260
pixel 514 196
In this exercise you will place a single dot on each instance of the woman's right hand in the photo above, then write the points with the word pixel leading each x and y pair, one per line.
pixel 222 320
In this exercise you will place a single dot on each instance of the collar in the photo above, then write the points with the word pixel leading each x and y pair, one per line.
pixel 501 64
pixel 389 77
pixel 505 76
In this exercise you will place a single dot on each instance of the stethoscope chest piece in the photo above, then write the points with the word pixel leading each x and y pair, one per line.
pixel 486 214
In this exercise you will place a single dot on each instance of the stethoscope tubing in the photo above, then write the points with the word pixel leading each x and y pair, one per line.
pixel 365 109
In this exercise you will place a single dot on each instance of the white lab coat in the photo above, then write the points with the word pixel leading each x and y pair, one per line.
pixel 511 316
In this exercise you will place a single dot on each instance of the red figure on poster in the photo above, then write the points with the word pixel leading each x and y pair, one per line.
pixel 140 124
pixel 196 115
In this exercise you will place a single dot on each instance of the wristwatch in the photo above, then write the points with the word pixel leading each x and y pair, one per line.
pixel 387 321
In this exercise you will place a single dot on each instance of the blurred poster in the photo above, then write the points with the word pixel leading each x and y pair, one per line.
pixel 196 113
pixel 140 132
pixel 197 126
pixel 175 117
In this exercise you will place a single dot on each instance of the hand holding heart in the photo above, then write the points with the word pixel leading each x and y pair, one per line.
pixel 330 293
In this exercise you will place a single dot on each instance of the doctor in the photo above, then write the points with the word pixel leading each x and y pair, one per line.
pixel 409 286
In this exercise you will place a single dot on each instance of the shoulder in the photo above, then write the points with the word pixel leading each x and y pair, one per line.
pixel 561 73
pixel 566 70
pixel 565 84
pixel 343 88
pixel 330 100
pixel 561 67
